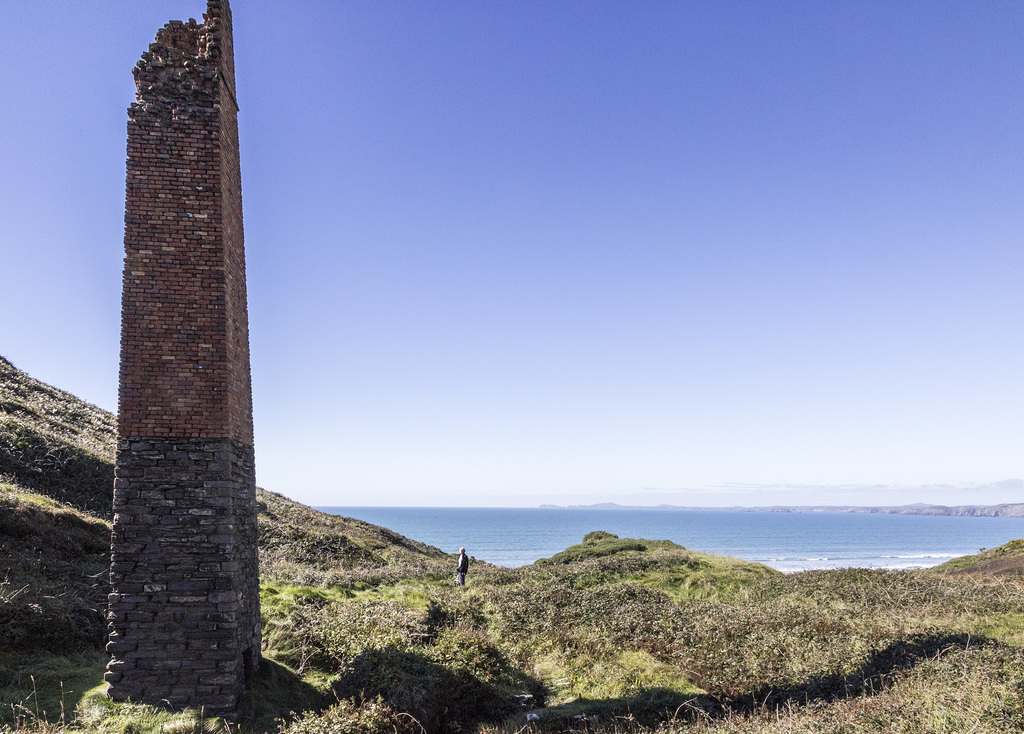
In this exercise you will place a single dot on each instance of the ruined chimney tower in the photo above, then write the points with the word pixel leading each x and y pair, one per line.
pixel 184 608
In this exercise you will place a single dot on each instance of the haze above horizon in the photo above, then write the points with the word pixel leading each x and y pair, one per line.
pixel 515 254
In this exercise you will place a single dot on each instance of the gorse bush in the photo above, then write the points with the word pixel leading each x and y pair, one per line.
pixel 340 631
pixel 431 662
pixel 915 592
pixel 563 615
pixel 973 689
pixel 352 717
pixel 737 649
pixel 469 650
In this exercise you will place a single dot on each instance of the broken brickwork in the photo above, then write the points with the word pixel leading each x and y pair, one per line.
pixel 184 608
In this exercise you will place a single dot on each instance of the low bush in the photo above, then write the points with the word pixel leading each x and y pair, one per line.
pixel 355 717
pixel 599 543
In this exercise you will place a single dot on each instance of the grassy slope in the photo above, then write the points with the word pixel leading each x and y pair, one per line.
pixel 298 542
pixel 628 641
pixel 56 477
pixel 53 574
pixel 53 444
pixel 1007 559
pixel 659 564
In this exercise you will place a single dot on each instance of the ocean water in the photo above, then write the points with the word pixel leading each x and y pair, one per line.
pixel 787 541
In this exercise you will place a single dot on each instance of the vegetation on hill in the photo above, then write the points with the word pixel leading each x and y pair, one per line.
pixel 599 644
pixel 364 632
pixel 1007 559
pixel 600 543
pixel 659 564
pixel 54 444
pixel 54 561
pixel 300 544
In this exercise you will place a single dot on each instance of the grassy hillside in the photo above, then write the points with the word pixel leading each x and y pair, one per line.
pixel 55 445
pixel 659 564
pixel 303 545
pixel 1006 560
pixel 53 574
pixel 645 640
pixel 363 631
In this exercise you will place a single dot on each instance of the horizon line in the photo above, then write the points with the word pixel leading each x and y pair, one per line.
pixel 614 505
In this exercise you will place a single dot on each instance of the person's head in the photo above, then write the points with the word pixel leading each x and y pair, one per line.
pixel 462 551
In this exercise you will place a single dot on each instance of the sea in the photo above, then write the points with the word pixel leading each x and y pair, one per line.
pixel 786 541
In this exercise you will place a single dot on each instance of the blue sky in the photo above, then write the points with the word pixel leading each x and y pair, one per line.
pixel 504 254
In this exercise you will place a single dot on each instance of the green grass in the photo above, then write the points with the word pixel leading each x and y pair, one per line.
pixel 1009 556
pixel 45 688
pixel 96 712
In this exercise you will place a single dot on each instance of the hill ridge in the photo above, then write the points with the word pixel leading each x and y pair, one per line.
pixel 1005 509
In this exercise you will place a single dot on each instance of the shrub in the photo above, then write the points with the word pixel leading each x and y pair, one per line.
pixel 598 543
pixel 340 631
pixel 352 717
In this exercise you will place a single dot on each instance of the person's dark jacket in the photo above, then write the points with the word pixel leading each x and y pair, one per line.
pixel 463 566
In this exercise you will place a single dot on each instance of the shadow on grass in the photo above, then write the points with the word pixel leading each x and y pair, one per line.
pixel 278 694
pixel 39 688
pixel 57 468
pixel 871 678
pixel 440 699
pixel 650 707
pixel 53 580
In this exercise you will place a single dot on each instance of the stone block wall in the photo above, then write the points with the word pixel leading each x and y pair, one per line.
pixel 183 566
pixel 184 609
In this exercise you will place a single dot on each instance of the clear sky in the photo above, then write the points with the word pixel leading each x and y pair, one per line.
pixel 512 253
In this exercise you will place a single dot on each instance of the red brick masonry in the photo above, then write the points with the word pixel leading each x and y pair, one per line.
pixel 184 321
pixel 184 612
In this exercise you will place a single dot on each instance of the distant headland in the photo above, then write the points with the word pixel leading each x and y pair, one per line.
pixel 1003 510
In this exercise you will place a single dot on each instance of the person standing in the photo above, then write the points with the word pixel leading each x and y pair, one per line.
pixel 462 568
